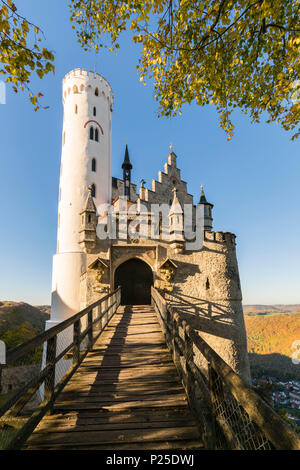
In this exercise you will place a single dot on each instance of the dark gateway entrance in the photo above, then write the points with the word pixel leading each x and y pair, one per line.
pixel 135 278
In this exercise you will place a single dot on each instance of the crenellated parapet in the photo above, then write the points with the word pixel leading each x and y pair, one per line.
pixel 227 238
pixel 81 80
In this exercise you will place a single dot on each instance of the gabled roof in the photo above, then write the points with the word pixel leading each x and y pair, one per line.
pixel 96 262
pixel 168 261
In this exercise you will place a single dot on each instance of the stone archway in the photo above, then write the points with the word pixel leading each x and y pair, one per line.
pixel 135 278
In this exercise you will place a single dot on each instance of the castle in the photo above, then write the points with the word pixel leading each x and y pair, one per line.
pixel 203 283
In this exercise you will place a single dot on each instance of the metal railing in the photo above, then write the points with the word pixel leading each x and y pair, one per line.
pixel 65 346
pixel 232 415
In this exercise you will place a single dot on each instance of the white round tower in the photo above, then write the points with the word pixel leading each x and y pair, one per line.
pixel 85 161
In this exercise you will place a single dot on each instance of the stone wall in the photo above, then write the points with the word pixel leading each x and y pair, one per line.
pixel 16 377
pixel 207 292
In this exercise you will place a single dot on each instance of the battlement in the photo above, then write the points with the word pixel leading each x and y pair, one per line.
pixel 84 73
pixel 82 80
pixel 220 237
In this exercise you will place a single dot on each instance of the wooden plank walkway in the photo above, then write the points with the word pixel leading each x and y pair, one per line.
pixel 125 395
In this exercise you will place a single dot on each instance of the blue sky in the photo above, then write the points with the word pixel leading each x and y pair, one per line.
pixel 253 180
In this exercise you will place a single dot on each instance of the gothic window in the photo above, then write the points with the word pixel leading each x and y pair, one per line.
pixel 94 164
pixel 207 283
pixel 75 89
pixel 96 135
pixel 91 133
pixel 89 218
pixel 96 92
pixel 94 111
pixel 93 190
pixel 81 87
pixel 76 108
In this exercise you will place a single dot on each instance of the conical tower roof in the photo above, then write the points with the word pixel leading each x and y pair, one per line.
pixel 126 164
pixel 203 198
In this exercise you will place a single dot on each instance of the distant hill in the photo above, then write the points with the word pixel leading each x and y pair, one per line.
pixel 270 338
pixel 19 322
pixel 271 309
pixel 15 313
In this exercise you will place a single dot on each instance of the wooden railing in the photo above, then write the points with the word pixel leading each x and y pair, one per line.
pixel 65 347
pixel 232 415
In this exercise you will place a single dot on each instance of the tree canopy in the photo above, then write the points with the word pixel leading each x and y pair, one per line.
pixel 228 53
pixel 21 53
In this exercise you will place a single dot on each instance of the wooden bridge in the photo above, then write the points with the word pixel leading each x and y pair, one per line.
pixel 130 377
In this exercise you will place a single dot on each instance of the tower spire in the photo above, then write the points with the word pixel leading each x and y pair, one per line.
pixel 127 167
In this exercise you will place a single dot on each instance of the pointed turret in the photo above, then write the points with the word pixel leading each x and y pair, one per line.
pixel 207 210
pixel 176 224
pixel 87 233
pixel 127 167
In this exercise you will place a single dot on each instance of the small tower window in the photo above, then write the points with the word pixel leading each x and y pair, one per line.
pixel 93 190
pixel 207 283
pixel 94 164
pixel 81 87
pixel 94 111
pixel 96 92
pixel 76 108
pixel 75 89
pixel 89 218
pixel 96 135
pixel 64 138
pixel 91 133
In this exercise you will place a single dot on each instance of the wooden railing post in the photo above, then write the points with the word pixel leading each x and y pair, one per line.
pixel 76 340
pixel 188 356
pixel 176 355
pixel 50 360
pixel 90 327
